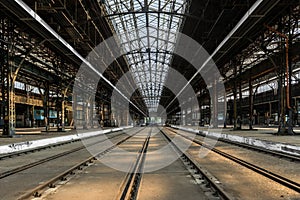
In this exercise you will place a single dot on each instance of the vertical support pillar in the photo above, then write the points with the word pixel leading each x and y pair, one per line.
pixel 127 117
pixel 91 116
pixel 110 114
pixel 102 115
pixel 234 91
pixel 63 106
pixel 250 104
pixel 84 113
pixel 240 115
pixel 74 108
pixel 225 109
pixel 288 75
pixel 99 116
pixel 46 106
pixel 63 112
pixel 214 105
pixel 11 109
pixel 289 88
pixel 183 114
pixel 57 118
pixel 295 112
pixel 33 119
pixel 3 77
pixel 28 119
pixel 87 113
pixel 58 107
pixel 120 115
pixel 8 115
pixel 281 104
pixel 201 119
pixel 234 109
pixel 270 109
pixel 113 112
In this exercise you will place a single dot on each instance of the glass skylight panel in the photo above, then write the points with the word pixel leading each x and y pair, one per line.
pixel 145 40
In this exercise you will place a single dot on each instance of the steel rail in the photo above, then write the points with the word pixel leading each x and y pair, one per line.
pixel 132 180
pixel 36 192
pixel 18 153
pixel 44 160
pixel 247 146
pixel 271 175
pixel 205 175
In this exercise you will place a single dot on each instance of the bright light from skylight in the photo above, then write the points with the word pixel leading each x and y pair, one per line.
pixel 147 33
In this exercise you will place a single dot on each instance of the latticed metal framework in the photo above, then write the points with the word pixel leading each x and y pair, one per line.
pixel 249 55
pixel 147 33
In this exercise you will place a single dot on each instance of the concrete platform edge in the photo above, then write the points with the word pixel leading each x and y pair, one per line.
pixel 275 146
pixel 26 145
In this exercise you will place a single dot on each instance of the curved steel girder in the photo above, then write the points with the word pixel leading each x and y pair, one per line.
pixel 154 60
pixel 145 37
pixel 23 59
pixel 151 52
pixel 156 12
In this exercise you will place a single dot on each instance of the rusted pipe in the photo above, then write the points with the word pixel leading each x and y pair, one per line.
pixel 286 63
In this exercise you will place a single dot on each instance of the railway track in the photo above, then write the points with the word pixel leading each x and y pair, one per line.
pixel 136 183
pixel 138 180
pixel 24 152
pixel 48 159
pixel 260 170
pixel 38 149
pixel 61 176
pixel 255 148
pixel 208 179
pixel 130 186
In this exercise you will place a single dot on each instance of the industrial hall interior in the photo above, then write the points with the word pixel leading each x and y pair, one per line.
pixel 150 99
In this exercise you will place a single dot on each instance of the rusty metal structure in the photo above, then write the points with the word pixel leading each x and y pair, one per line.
pixel 43 43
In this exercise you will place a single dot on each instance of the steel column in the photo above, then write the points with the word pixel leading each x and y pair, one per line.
pixel 46 106
pixel 250 104
pixel 8 115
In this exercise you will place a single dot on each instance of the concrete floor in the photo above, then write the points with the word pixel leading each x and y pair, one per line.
pixel 102 182
pixel 259 132
pixel 242 182
pixel 165 177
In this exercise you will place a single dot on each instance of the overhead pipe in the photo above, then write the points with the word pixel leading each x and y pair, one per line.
pixel 286 63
